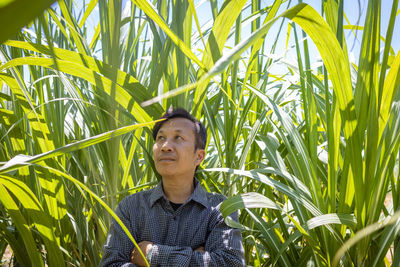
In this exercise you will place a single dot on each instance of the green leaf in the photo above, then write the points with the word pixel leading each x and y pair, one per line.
pixel 55 201
pixel 21 225
pixel 365 232
pixel 23 159
pixel 87 68
pixel 333 218
pixel 247 200
pixel 102 83
pixel 216 41
pixel 83 188
pixel 151 12
pixel 391 85
pixel 41 220
pixel 88 11
pixel 18 13
pixel 294 195
pixel 9 120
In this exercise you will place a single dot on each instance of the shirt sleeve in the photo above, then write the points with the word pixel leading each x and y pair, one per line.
pixel 223 248
pixel 118 247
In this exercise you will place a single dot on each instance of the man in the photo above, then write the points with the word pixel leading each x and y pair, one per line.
pixel 176 223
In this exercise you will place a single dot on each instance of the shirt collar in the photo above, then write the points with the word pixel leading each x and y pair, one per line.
pixel 157 193
pixel 198 195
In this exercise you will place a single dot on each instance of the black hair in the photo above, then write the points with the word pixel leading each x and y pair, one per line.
pixel 199 129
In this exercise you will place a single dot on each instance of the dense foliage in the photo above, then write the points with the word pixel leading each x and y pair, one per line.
pixel 308 155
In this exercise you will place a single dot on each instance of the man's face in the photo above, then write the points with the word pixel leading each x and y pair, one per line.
pixel 174 149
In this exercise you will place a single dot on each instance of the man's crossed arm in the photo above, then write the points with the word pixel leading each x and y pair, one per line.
pixel 223 247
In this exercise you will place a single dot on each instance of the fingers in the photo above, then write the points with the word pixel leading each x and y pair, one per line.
pixel 200 249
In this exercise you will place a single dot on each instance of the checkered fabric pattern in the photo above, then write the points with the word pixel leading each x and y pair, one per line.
pixel 176 234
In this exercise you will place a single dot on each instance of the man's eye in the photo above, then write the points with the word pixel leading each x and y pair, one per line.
pixel 178 137
pixel 160 138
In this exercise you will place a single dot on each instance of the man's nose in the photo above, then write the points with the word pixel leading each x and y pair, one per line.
pixel 166 146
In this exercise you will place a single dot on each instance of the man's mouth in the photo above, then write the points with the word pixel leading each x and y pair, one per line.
pixel 166 159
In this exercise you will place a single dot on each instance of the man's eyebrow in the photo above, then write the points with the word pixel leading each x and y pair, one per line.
pixel 175 130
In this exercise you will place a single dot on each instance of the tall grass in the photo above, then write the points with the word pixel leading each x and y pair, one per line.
pixel 307 155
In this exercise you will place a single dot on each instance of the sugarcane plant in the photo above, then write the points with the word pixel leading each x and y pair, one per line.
pixel 308 156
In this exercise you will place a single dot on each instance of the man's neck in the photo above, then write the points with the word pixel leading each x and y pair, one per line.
pixel 178 190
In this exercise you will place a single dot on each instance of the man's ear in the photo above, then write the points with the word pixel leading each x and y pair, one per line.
pixel 201 153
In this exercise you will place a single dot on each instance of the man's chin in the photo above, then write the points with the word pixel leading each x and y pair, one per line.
pixel 166 172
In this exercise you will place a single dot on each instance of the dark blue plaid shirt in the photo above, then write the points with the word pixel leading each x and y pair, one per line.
pixel 176 234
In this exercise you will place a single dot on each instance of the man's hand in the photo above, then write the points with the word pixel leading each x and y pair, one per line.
pixel 136 258
pixel 200 249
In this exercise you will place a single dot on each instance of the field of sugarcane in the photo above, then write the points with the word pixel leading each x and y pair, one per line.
pixel 303 140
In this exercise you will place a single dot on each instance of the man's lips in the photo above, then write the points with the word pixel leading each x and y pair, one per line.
pixel 166 159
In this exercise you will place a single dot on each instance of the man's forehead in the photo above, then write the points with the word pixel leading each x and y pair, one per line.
pixel 178 130
pixel 178 125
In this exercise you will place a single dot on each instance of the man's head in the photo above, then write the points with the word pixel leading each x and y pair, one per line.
pixel 179 144
pixel 198 128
